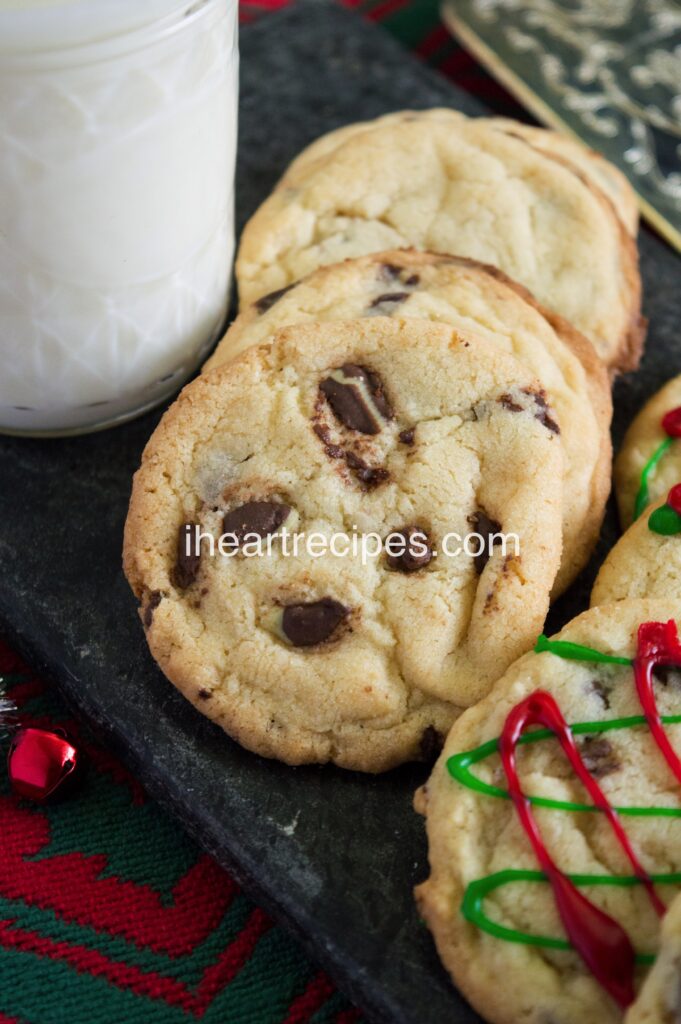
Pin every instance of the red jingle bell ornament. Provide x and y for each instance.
(39, 762)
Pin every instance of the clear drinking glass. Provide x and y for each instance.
(118, 123)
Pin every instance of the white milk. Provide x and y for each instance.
(117, 148)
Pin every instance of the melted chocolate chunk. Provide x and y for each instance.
(417, 551)
(543, 413)
(667, 674)
(266, 302)
(407, 436)
(390, 272)
(598, 756)
(377, 390)
(153, 601)
(188, 557)
(430, 744)
(389, 297)
(509, 403)
(357, 398)
(305, 625)
(485, 527)
(255, 517)
(370, 476)
(602, 692)
(334, 451)
(205, 695)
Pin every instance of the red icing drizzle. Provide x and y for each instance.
(658, 644)
(600, 941)
(674, 498)
(671, 423)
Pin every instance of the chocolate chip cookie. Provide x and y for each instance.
(456, 186)
(599, 171)
(553, 818)
(403, 433)
(470, 296)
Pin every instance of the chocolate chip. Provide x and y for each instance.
(485, 527)
(266, 302)
(378, 395)
(188, 557)
(153, 601)
(598, 756)
(305, 625)
(357, 398)
(509, 403)
(602, 692)
(334, 451)
(349, 407)
(370, 476)
(390, 272)
(431, 743)
(541, 410)
(416, 552)
(407, 436)
(667, 674)
(543, 413)
(389, 297)
(205, 695)
(255, 517)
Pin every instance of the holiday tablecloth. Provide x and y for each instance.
(109, 913)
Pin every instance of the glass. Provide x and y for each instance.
(118, 123)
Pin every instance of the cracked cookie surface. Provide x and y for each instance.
(325, 658)
(470, 297)
(476, 835)
(596, 168)
(456, 186)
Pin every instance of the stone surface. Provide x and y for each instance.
(331, 854)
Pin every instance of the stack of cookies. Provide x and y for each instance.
(433, 308)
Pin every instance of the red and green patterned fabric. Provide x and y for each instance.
(109, 913)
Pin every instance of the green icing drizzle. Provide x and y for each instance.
(472, 906)
(459, 767)
(577, 652)
(643, 496)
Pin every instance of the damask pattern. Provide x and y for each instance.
(608, 70)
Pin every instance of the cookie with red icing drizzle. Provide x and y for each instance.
(554, 822)
(649, 461)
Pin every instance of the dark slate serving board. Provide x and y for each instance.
(332, 854)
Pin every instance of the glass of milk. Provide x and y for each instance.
(118, 123)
